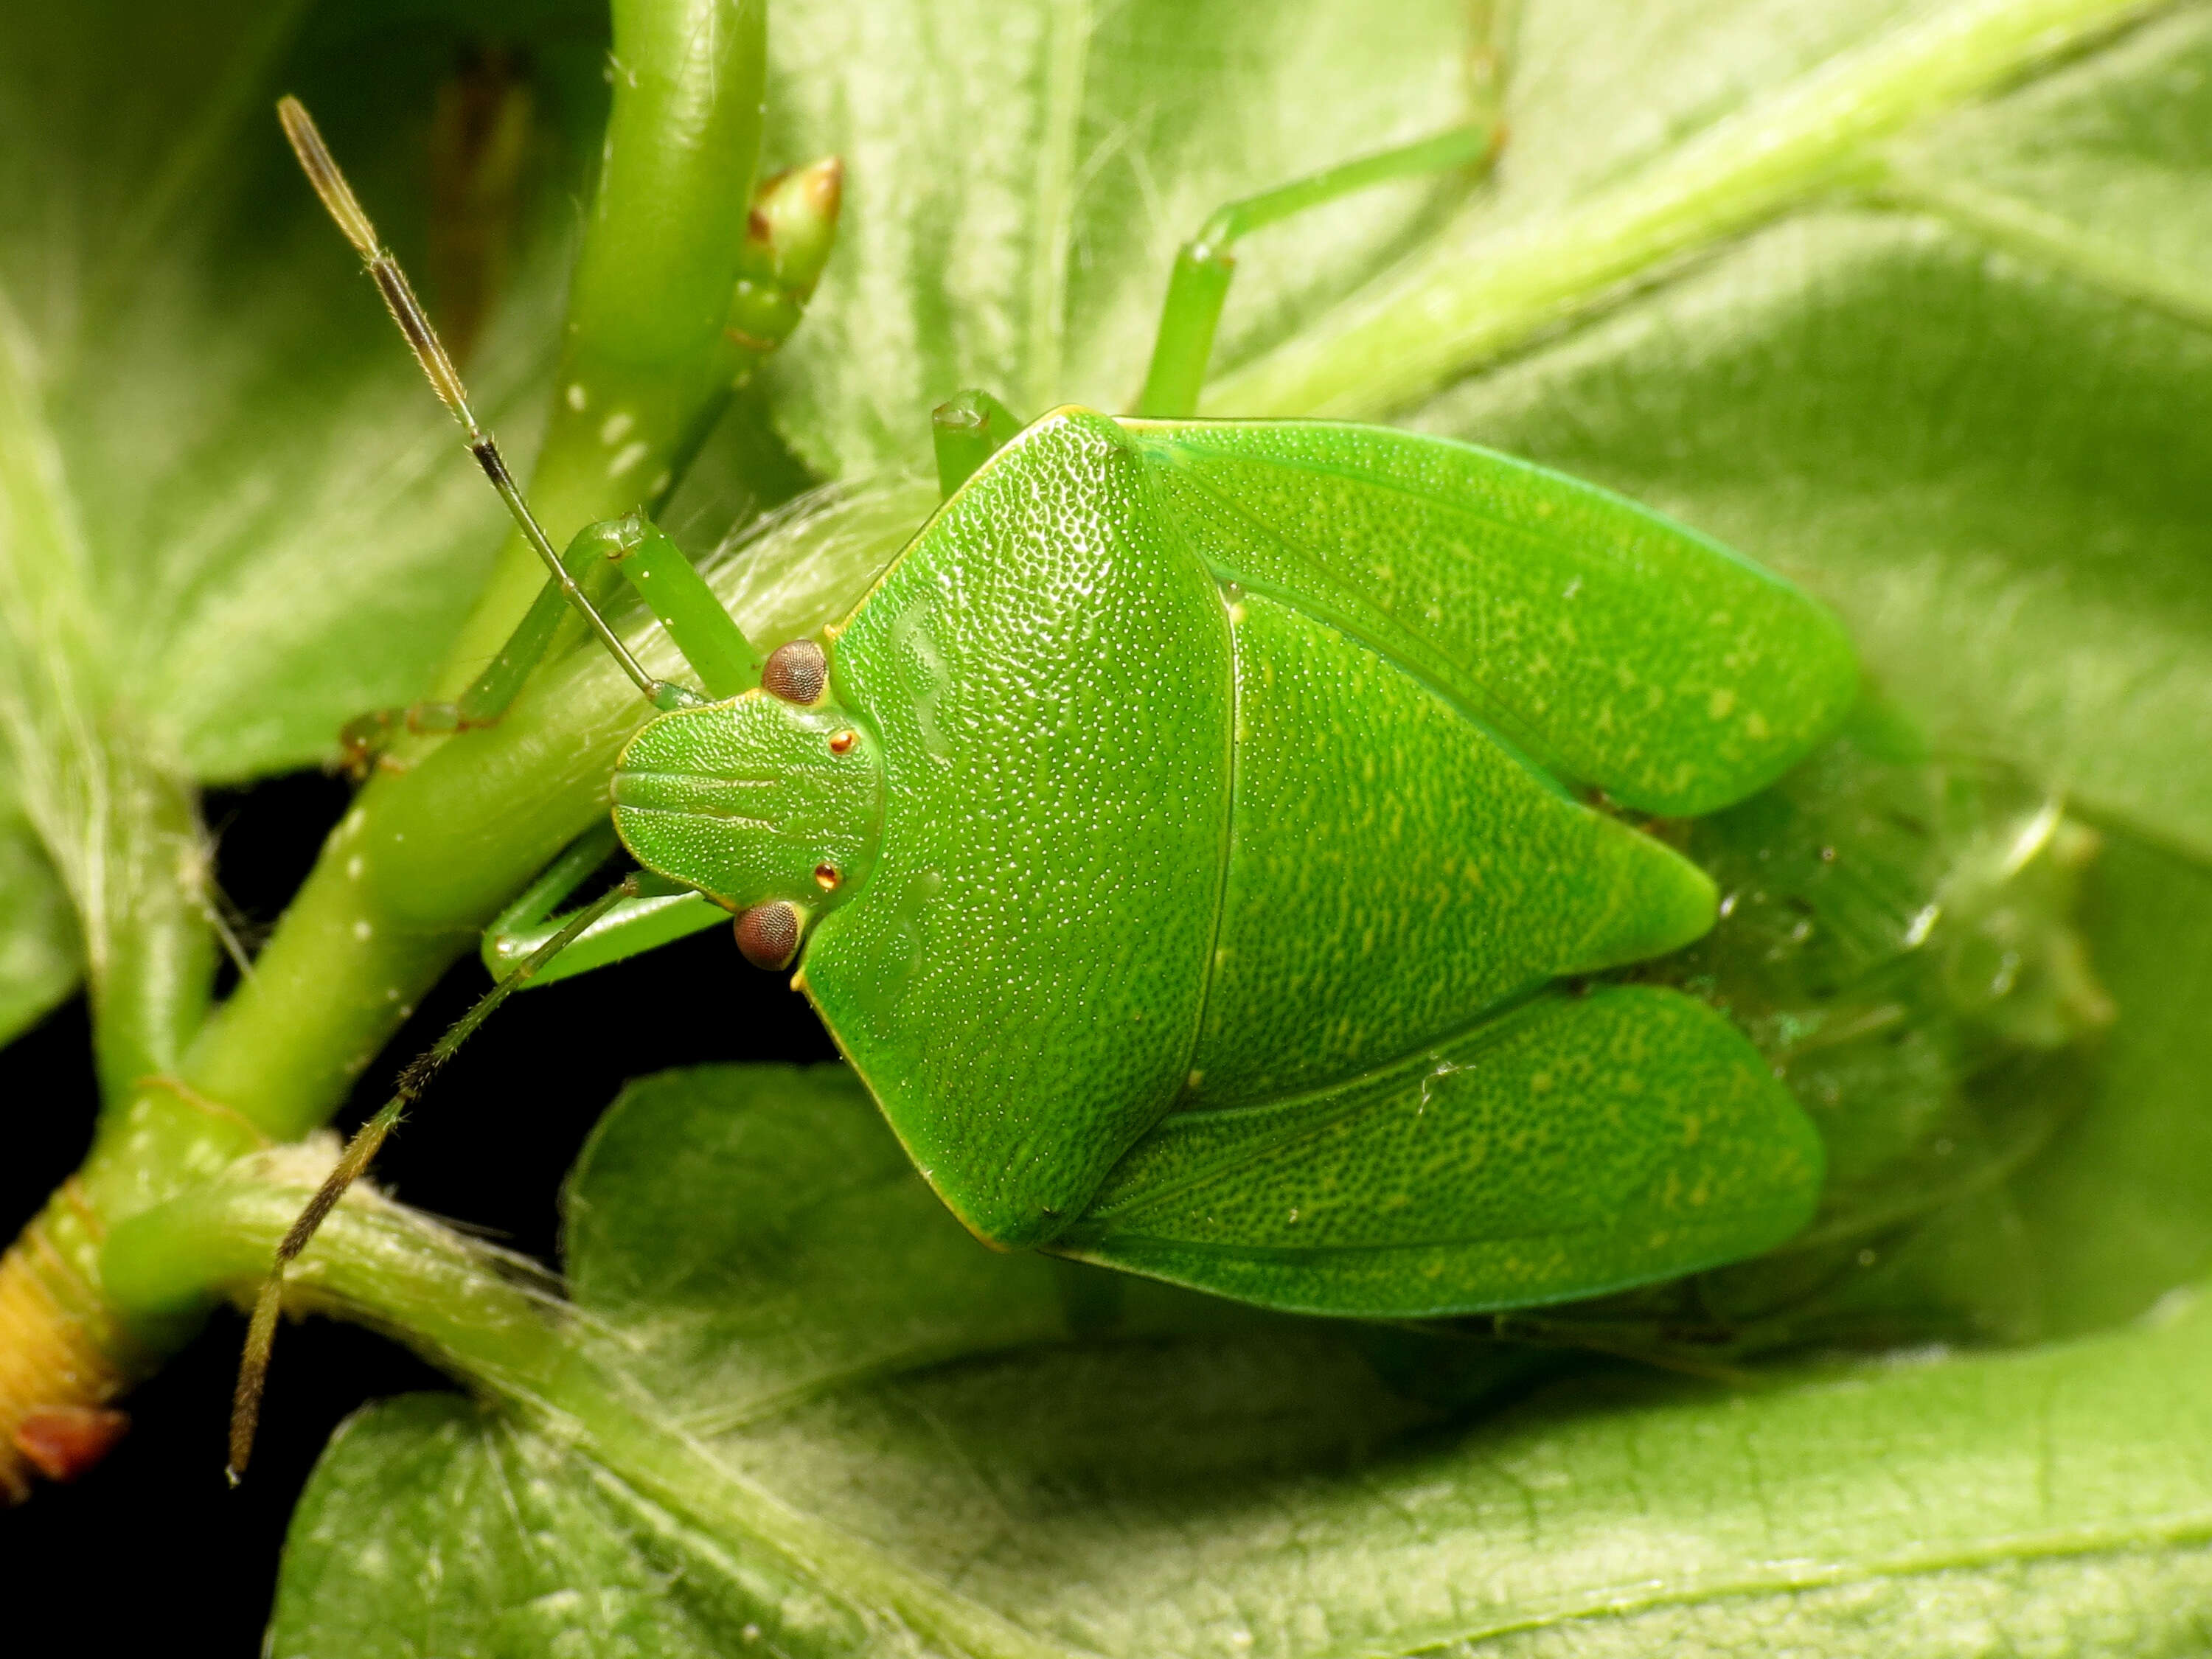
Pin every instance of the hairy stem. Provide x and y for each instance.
(491, 1322)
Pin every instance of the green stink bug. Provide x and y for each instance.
(1174, 790)
(1197, 838)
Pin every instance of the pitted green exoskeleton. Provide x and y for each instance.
(1200, 838)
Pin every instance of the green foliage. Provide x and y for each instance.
(1983, 446)
(1020, 178)
(38, 939)
(790, 1297)
(224, 524)
(277, 538)
(1948, 373)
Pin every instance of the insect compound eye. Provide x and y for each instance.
(768, 934)
(796, 672)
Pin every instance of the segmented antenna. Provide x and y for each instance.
(360, 1151)
(322, 171)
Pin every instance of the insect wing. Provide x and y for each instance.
(1612, 645)
(1394, 872)
(1139, 690)
(1572, 1147)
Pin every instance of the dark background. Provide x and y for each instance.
(488, 1145)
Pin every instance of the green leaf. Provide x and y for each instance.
(279, 528)
(763, 1285)
(1962, 414)
(1255, 1487)
(2118, 1207)
(1956, 404)
(230, 520)
(556, 1560)
(1944, 373)
(1020, 178)
(39, 961)
(1940, 380)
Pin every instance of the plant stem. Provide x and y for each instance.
(281, 1055)
(425, 857)
(1478, 294)
(663, 252)
(481, 1317)
(428, 855)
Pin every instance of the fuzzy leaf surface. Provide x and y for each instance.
(1144, 1480)
(1955, 386)
(277, 531)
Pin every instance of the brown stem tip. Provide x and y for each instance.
(64, 1442)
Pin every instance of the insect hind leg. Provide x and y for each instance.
(967, 430)
(1199, 285)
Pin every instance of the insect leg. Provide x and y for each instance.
(967, 431)
(488, 697)
(788, 238)
(1203, 268)
(630, 927)
(726, 662)
(261, 1334)
(681, 601)
(438, 368)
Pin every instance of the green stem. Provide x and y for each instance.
(478, 1316)
(1477, 295)
(425, 857)
(663, 252)
(430, 856)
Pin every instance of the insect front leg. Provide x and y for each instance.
(966, 431)
(363, 740)
(711, 643)
(1200, 284)
(657, 915)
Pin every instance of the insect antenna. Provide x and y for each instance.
(360, 1151)
(322, 171)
